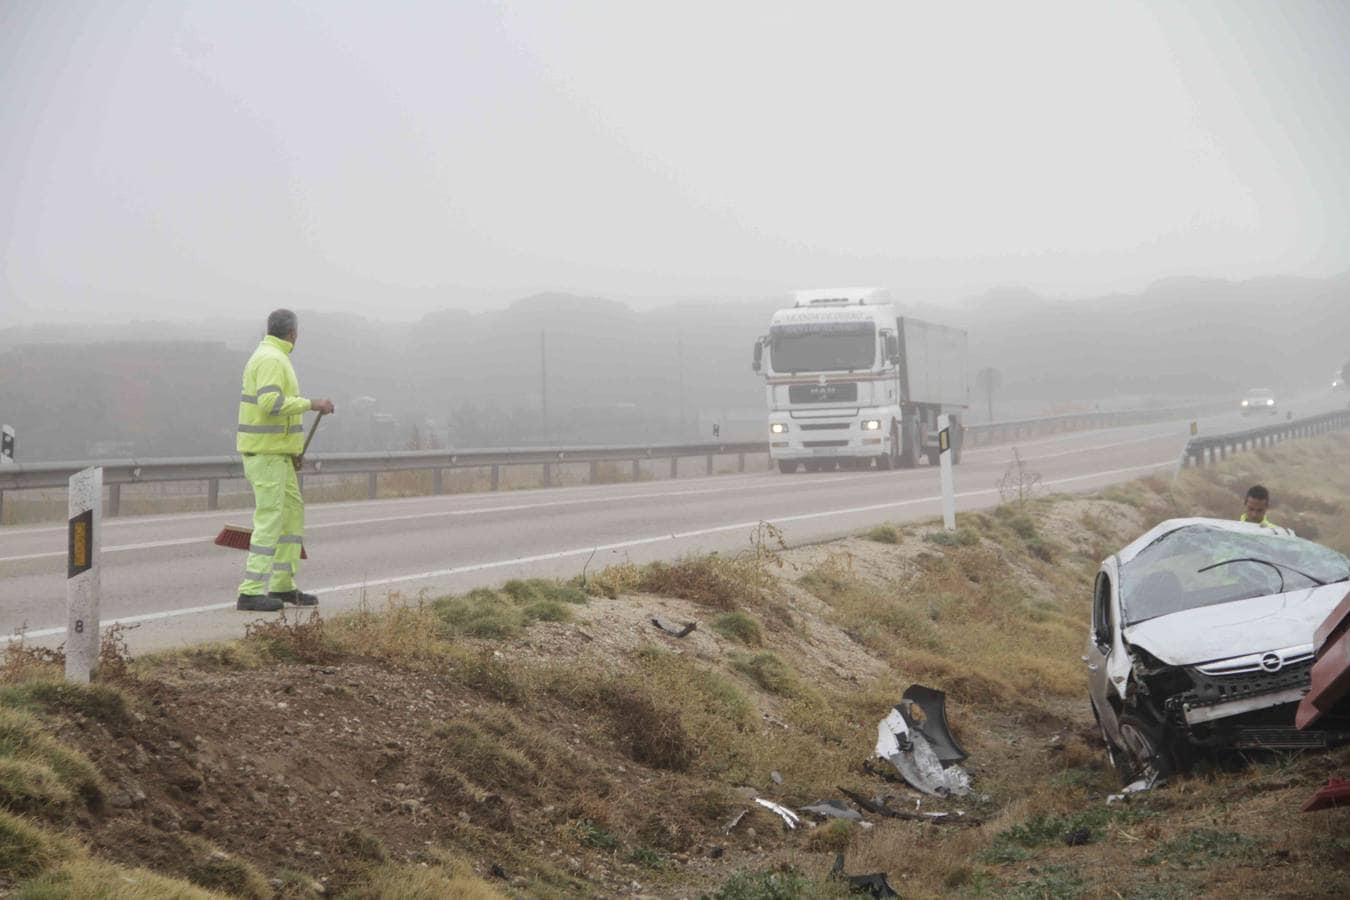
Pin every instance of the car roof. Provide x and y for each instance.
(1135, 547)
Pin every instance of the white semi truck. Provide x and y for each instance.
(849, 382)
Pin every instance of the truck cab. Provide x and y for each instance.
(849, 384)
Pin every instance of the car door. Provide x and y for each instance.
(1100, 648)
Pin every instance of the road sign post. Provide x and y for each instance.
(6, 445)
(85, 506)
(945, 462)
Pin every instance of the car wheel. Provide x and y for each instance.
(787, 466)
(1145, 747)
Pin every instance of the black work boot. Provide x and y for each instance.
(258, 603)
(294, 598)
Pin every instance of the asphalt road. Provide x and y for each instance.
(164, 575)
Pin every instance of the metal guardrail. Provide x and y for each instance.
(1216, 447)
(214, 469)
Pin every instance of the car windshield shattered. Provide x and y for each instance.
(1199, 565)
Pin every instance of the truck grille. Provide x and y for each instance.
(824, 443)
(835, 392)
(824, 426)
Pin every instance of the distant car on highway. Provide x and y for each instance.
(1259, 400)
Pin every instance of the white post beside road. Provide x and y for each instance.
(6, 445)
(86, 510)
(945, 461)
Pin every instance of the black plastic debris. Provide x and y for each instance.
(874, 885)
(669, 627)
(914, 738)
(932, 721)
(1078, 837)
(832, 809)
(497, 871)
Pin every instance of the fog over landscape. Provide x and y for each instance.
(1124, 204)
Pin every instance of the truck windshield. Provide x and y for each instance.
(822, 346)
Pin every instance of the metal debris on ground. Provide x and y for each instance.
(832, 809)
(915, 739)
(1146, 782)
(776, 776)
(881, 806)
(736, 820)
(790, 818)
(874, 885)
(673, 628)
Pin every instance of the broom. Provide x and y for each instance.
(237, 537)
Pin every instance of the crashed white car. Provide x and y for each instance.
(1202, 638)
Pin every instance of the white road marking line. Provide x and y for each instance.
(573, 501)
(593, 548)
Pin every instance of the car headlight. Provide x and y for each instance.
(1270, 403)
(777, 428)
(872, 425)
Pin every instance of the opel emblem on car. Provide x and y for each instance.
(1271, 662)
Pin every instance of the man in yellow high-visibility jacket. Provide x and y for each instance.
(270, 438)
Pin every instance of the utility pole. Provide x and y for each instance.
(543, 379)
(679, 357)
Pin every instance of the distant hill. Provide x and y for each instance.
(620, 375)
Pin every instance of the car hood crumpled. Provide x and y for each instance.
(1232, 629)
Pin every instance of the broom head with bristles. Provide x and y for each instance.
(237, 537)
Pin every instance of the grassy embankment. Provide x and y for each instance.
(545, 739)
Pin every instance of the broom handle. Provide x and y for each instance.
(309, 437)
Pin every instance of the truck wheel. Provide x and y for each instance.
(958, 439)
(909, 451)
(787, 466)
(891, 458)
(934, 457)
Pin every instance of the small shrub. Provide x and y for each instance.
(708, 580)
(22, 738)
(592, 835)
(301, 639)
(26, 850)
(485, 673)
(652, 734)
(961, 537)
(30, 786)
(884, 534)
(769, 672)
(785, 885)
(483, 758)
(834, 836)
(481, 613)
(737, 626)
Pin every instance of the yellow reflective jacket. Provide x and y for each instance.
(270, 407)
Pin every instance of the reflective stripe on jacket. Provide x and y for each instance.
(270, 406)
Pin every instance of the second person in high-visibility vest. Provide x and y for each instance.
(270, 438)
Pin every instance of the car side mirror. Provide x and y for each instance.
(758, 362)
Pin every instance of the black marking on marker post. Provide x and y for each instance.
(80, 544)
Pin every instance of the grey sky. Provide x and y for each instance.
(194, 158)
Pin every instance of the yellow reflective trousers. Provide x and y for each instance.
(278, 524)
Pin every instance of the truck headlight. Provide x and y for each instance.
(777, 428)
(1244, 402)
(1270, 403)
(871, 425)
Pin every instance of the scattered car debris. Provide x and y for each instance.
(790, 818)
(777, 776)
(874, 885)
(1336, 793)
(735, 820)
(915, 739)
(832, 809)
(1078, 837)
(672, 628)
(879, 806)
(1147, 782)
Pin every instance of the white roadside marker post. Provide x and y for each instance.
(945, 461)
(6, 445)
(85, 506)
